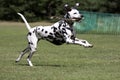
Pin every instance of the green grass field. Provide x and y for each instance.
(65, 62)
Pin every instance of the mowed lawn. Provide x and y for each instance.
(65, 62)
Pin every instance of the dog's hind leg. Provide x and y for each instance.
(33, 49)
(29, 58)
(23, 53)
(33, 40)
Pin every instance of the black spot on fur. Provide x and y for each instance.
(57, 34)
(50, 37)
(58, 42)
(54, 29)
(51, 33)
(73, 37)
(84, 41)
(64, 31)
(46, 32)
(30, 43)
(38, 28)
(42, 30)
(63, 28)
(59, 25)
(30, 33)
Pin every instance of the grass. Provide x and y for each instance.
(65, 62)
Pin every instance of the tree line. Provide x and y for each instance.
(36, 10)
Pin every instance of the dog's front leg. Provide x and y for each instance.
(80, 42)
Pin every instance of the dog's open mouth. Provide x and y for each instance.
(77, 19)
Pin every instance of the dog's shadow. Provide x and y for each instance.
(51, 65)
(22, 64)
(43, 65)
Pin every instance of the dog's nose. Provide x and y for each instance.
(82, 16)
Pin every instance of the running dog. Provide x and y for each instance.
(59, 33)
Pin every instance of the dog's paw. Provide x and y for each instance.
(89, 46)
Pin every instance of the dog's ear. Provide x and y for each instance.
(67, 7)
(77, 5)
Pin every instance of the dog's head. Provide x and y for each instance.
(72, 13)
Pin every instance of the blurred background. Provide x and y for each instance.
(36, 10)
(101, 16)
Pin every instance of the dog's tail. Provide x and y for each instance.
(26, 23)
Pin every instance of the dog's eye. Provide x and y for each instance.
(75, 13)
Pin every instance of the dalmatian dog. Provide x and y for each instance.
(59, 33)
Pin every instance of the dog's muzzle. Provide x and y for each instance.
(78, 19)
